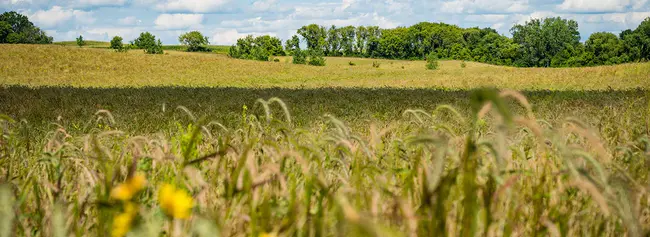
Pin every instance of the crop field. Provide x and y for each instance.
(100, 143)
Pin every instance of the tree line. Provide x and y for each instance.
(549, 42)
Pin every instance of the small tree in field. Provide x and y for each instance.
(299, 56)
(195, 41)
(316, 58)
(80, 41)
(148, 42)
(432, 61)
(116, 43)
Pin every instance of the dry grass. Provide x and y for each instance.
(34, 65)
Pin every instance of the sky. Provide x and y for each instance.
(224, 21)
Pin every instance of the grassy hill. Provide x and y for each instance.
(38, 65)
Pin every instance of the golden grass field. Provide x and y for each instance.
(99, 143)
(34, 65)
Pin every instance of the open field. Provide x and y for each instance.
(220, 49)
(32, 65)
(346, 151)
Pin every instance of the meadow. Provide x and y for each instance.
(96, 142)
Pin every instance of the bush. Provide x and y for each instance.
(277, 60)
(463, 64)
(432, 62)
(351, 63)
(148, 42)
(316, 58)
(117, 45)
(376, 64)
(299, 57)
(80, 41)
(195, 41)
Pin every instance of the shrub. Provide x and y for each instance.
(195, 41)
(259, 54)
(148, 42)
(277, 60)
(316, 58)
(463, 64)
(299, 57)
(117, 45)
(351, 63)
(80, 41)
(376, 64)
(432, 62)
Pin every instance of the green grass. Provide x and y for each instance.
(329, 151)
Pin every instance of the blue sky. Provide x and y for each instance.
(224, 21)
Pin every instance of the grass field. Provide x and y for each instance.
(101, 143)
(220, 49)
(70, 66)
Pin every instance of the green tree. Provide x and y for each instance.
(80, 41)
(316, 58)
(348, 35)
(117, 45)
(432, 61)
(333, 40)
(148, 43)
(292, 44)
(5, 30)
(362, 40)
(540, 40)
(314, 35)
(605, 47)
(299, 57)
(22, 30)
(195, 41)
(643, 36)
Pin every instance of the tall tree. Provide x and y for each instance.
(541, 40)
(314, 35)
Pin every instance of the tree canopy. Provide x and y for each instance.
(17, 29)
(195, 41)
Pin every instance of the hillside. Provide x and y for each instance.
(52, 65)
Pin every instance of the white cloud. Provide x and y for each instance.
(230, 36)
(200, 6)
(484, 6)
(263, 5)
(178, 21)
(129, 20)
(593, 5)
(101, 2)
(629, 19)
(486, 18)
(57, 15)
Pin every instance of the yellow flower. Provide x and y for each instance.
(125, 191)
(121, 224)
(123, 221)
(175, 202)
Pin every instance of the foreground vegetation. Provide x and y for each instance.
(34, 65)
(495, 166)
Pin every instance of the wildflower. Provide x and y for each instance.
(125, 191)
(121, 224)
(123, 221)
(176, 203)
(268, 235)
